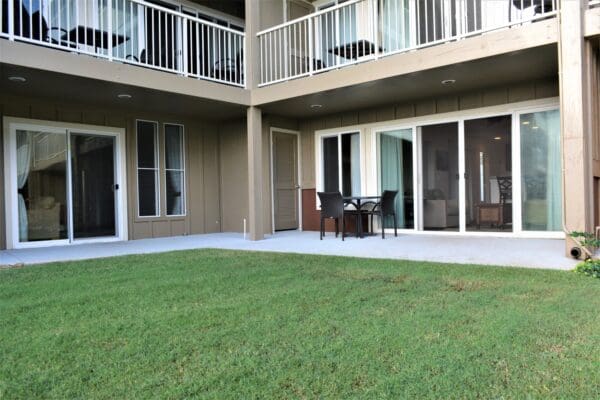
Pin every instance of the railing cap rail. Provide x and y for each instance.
(309, 16)
(188, 17)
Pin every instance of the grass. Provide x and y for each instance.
(241, 325)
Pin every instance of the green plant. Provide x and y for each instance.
(586, 239)
(589, 267)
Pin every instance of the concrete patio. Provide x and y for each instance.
(510, 252)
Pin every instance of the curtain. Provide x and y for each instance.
(24, 147)
(395, 23)
(174, 166)
(392, 173)
(355, 163)
(551, 126)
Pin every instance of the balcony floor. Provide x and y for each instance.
(510, 252)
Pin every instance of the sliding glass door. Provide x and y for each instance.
(41, 186)
(93, 185)
(439, 169)
(493, 174)
(64, 185)
(396, 173)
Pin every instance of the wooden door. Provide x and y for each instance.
(285, 180)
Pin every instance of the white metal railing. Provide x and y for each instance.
(360, 30)
(594, 3)
(130, 31)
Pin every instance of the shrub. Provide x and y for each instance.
(589, 267)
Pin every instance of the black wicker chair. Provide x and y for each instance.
(385, 208)
(333, 207)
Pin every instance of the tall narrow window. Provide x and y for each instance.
(341, 164)
(174, 170)
(147, 168)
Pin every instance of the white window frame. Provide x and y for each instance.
(320, 161)
(11, 125)
(370, 161)
(156, 169)
(182, 170)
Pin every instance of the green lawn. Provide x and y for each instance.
(240, 325)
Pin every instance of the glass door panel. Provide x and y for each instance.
(541, 193)
(488, 183)
(396, 173)
(41, 185)
(440, 177)
(93, 185)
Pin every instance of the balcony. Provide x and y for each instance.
(362, 30)
(135, 32)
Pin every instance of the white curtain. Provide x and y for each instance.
(355, 163)
(24, 147)
(551, 126)
(392, 172)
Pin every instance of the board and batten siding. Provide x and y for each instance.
(201, 159)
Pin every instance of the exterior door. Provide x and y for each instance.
(285, 181)
(93, 185)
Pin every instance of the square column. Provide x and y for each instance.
(255, 177)
(575, 126)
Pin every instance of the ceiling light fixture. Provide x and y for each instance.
(124, 96)
(497, 138)
(316, 106)
(525, 122)
(535, 127)
(448, 82)
(18, 79)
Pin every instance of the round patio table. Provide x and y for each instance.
(358, 203)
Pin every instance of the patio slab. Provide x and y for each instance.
(509, 252)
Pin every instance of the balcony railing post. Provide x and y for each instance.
(311, 49)
(11, 20)
(375, 27)
(184, 47)
(110, 30)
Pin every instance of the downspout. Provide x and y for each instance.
(566, 230)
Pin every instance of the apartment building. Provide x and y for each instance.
(129, 119)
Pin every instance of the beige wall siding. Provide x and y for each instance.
(233, 165)
(470, 100)
(201, 153)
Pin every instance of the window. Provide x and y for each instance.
(147, 169)
(341, 163)
(174, 169)
(541, 193)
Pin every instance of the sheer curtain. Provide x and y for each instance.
(24, 147)
(551, 127)
(355, 163)
(392, 173)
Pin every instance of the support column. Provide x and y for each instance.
(575, 126)
(255, 177)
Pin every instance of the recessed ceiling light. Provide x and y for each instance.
(18, 79)
(448, 81)
(124, 96)
(497, 138)
(316, 106)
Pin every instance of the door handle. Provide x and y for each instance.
(115, 187)
(297, 187)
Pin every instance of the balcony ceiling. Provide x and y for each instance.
(489, 73)
(56, 87)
